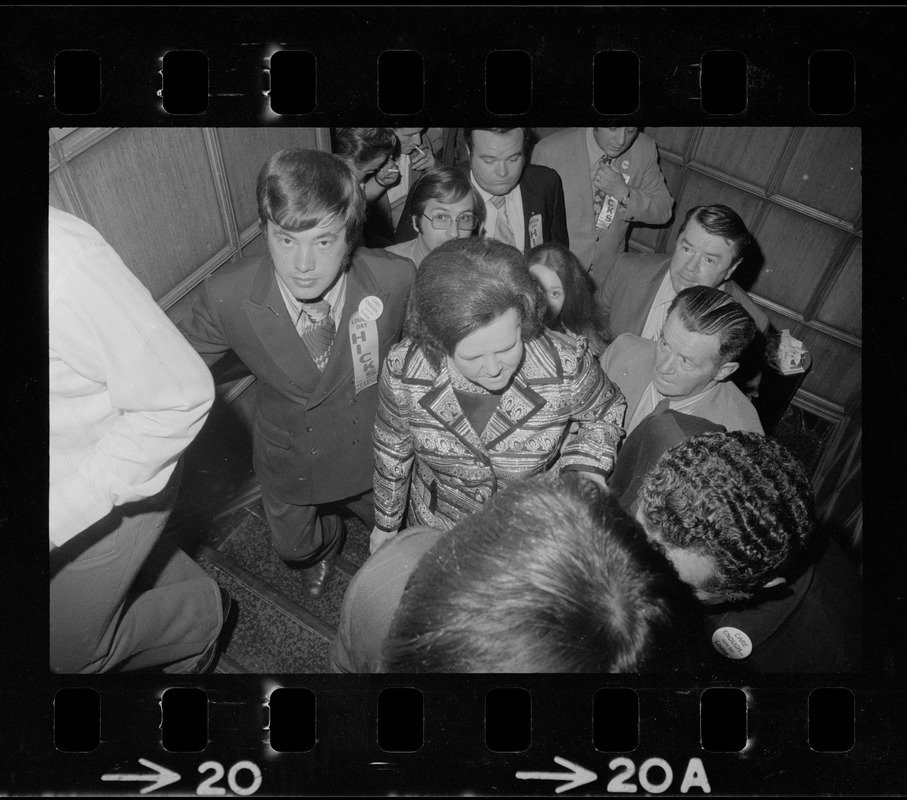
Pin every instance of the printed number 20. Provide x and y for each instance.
(207, 787)
(695, 776)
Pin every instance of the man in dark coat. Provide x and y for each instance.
(313, 320)
(524, 203)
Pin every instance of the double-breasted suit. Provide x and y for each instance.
(650, 201)
(312, 430)
(427, 451)
(542, 196)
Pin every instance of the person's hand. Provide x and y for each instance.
(378, 538)
(389, 174)
(423, 161)
(610, 181)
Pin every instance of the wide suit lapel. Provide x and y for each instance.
(580, 174)
(271, 322)
(643, 294)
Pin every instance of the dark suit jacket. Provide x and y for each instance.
(311, 437)
(542, 193)
(627, 293)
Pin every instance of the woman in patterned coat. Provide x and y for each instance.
(479, 393)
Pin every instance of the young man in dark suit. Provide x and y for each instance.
(524, 203)
(313, 320)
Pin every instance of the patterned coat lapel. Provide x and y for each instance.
(441, 404)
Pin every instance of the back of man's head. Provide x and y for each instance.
(739, 500)
(298, 189)
(708, 311)
(549, 576)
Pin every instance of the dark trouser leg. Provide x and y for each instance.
(302, 535)
(363, 506)
(106, 612)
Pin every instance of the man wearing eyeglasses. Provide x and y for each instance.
(445, 206)
(524, 203)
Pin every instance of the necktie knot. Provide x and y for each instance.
(317, 311)
(498, 201)
(319, 336)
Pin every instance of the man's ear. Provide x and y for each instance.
(416, 224)
(730, 270)
(726, 370)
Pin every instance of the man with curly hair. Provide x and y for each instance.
(734, 513)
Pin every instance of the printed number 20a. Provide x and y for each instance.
(695, 776)
(207, 787)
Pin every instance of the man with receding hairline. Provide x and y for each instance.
(524, 203)
(688, 367)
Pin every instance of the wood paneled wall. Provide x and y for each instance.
(799, 190)
(175, 203)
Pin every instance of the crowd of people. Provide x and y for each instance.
(550, 439)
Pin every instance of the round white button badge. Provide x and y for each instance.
(625, 165)
(371, 308)
(732, 643)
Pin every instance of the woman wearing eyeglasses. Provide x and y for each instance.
(445, 206)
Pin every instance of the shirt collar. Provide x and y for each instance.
(595, 152)
(486, 196)
(335, 296)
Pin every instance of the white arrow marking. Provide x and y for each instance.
(576, 777)
(163, 778)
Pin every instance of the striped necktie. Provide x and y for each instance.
(598, 195)
(318, 336)
(502, 230)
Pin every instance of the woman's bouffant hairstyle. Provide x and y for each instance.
(464, 285)
(739, 498)
(550, 575)
(580, 313)
(299, 189)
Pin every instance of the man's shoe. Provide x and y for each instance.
(315, 579)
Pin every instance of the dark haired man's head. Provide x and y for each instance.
(734, 512)
(311, 210)
(549, 576)
(706, 330)
(365, 149)
(710, 246)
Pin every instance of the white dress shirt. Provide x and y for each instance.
(513, 205)
(127, 391)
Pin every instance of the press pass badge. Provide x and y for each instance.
(609, 207)
(364, 343)
(535, 230)
(732, 643)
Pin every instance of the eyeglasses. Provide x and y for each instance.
(442, 221)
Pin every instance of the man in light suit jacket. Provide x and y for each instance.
(620, 165)
(524, 203)
(687, 368)
(313, 320)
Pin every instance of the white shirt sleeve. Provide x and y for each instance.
(127, 392)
